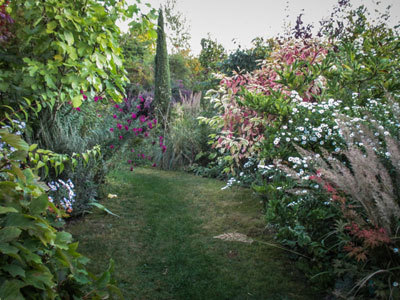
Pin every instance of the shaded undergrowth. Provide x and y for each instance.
(163, 243)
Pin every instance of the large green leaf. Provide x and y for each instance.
(13, 140)
(7, 209)
(10, 290)
(14, 270)
(39, 204)
(9, 233)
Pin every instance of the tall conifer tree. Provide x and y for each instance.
(162, 93)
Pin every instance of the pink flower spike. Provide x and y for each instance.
(112, 147)
(114, 116)
(121, 137)
(112, 129)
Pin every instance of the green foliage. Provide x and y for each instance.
(162, 90)
(60, 48)
(38, 259)
(212, 54)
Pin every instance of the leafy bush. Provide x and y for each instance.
(38, 259)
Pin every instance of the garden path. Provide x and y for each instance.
(163, 242)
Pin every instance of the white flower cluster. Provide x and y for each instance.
(65, 191)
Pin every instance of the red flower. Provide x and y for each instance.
(121, 137)
(114, 116)
(112, 147)
(112, 129)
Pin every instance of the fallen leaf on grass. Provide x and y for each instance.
(234, 237)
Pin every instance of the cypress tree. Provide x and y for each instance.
(162, 93)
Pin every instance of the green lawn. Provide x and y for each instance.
(163, 244)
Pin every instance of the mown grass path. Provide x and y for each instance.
(163, 243)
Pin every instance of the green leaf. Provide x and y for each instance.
(32, 147)
(14, 270)
(63, 239)
(85, 157)
(69, 37)
(9, 233)
(7, 209)
(39, 204)
(13, 140)
(77, 101)
(103, 208)
(41, 279)
(51, 26)
(10, 290)
(7, 249)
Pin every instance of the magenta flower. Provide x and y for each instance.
(155, 121)
(134, 116)
(84, 97)
(141, 99)
(146, 134)
(161, 138)
(112, 129)
(121, 137)
(140, 129)
(129, 161)
(150, 125)
(78, 109)
(142, 119)
(114, 116)
(154, 165)
(126, 128)
(96, 99)
(82, 92)
(164, 148)
(116, 106)
(132, 150)
(138, 107)
(142, 155)
(121, 110)
(112, 147)
(131, 169)
(119, 126)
